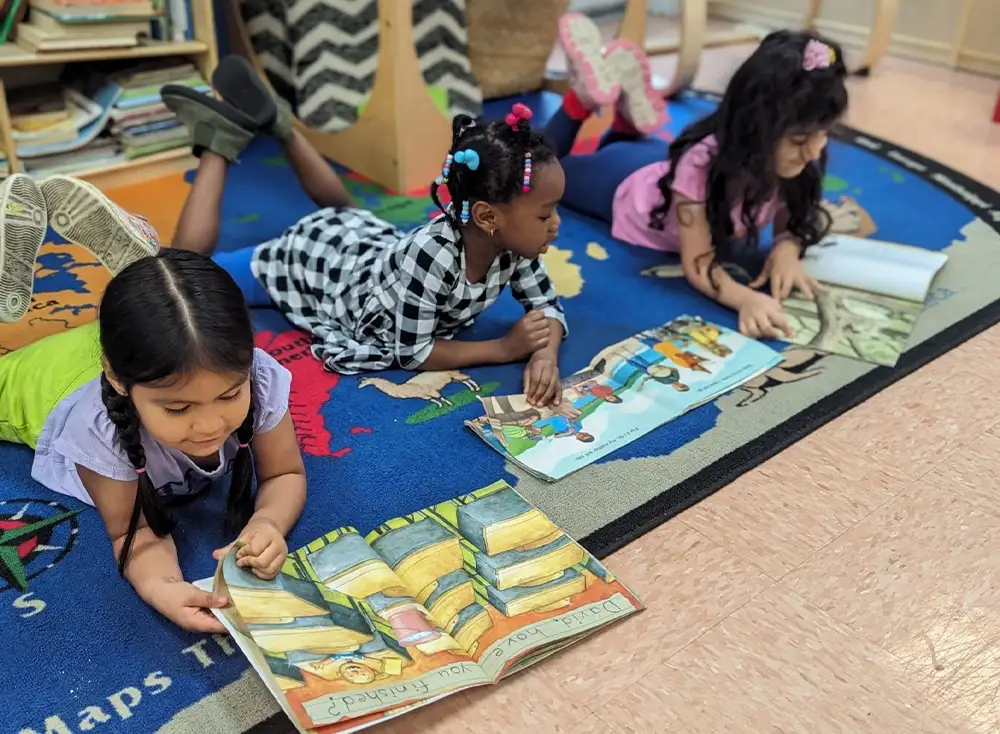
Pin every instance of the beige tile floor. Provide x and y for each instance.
(852, 583)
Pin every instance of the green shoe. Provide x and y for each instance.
(81, 213)
(214, 126)
(23, 223)
(238, 83)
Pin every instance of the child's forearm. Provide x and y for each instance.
(280, 501)
(556, 334)
(152, 561)
(450, 354)
(725, 290)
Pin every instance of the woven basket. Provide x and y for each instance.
(510, 42)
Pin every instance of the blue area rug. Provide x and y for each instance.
(83, 653)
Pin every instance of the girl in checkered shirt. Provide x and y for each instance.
(372, 296)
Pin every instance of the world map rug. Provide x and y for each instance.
(82, 653)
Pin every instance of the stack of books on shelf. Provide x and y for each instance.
(93, 122)
(139, 119)
(77, 25)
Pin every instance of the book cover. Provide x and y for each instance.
(871, 295)
(629, 389)
(358, 629)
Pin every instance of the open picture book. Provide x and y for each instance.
(628, 389)
(873, 293)
(357, 629)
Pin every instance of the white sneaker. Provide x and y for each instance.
(23, 223)
(81, 213)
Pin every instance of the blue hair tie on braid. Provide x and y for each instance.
(469, 157)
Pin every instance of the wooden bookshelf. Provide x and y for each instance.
(16, 60)
(13, 55)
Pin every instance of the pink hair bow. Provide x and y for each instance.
(817, 55)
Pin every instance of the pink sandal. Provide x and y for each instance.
(591, 77)
(639, 104)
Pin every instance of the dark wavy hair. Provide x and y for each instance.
(769, 96)
(162, 318)
(500, 174)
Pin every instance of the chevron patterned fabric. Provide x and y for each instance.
(321, 55)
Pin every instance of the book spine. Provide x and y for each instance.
(10, 20)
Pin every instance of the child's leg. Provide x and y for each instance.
(219, 133)
(198, 225)
(22, 231)
(237, 82)
(35, 378)
(238, 264)
(620, 74)
(591, 84)
(592, 180)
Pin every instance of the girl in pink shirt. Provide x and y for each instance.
(758, 159)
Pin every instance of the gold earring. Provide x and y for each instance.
(492, 231)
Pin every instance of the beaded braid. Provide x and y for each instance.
(489, 161)
(122, 412)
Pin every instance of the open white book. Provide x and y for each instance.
(872, 294)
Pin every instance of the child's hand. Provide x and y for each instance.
(541, 381)
(185, 605)
(786, 272)
(528, 335)
(263, 549)
(761, 317)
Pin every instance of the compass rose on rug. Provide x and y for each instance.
(34, 536)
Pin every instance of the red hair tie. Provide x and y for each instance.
(517, 113)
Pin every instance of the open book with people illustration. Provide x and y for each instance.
(357, 629)
(872, 294)
(628, 389)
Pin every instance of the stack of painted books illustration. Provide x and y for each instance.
(356, 630)
(629, 389)
(873, 292)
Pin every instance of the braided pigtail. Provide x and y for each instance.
(239, 506)
(121, 411)
(453, 178)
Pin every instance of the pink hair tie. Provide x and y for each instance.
(244, 445)
(817, 55)
(141, 470)
(518, 113)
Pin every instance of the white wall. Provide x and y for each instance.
(659, 7)
(962, 33)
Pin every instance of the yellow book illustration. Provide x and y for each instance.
(358, 629)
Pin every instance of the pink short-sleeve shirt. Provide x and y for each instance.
(639, 194)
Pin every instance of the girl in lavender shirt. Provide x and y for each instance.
(757, 160)
(180, 399)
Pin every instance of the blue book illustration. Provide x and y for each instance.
(629, 389)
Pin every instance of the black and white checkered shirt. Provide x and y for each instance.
(374, 297)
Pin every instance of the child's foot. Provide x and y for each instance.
(238, 83)
(590, 76)
(638, 104)
(22, 231)
(81, 213)
(215, 126)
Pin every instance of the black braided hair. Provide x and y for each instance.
(121, 411)
(239, 507)
(500, 174)
(162, 318)
(769, 96)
